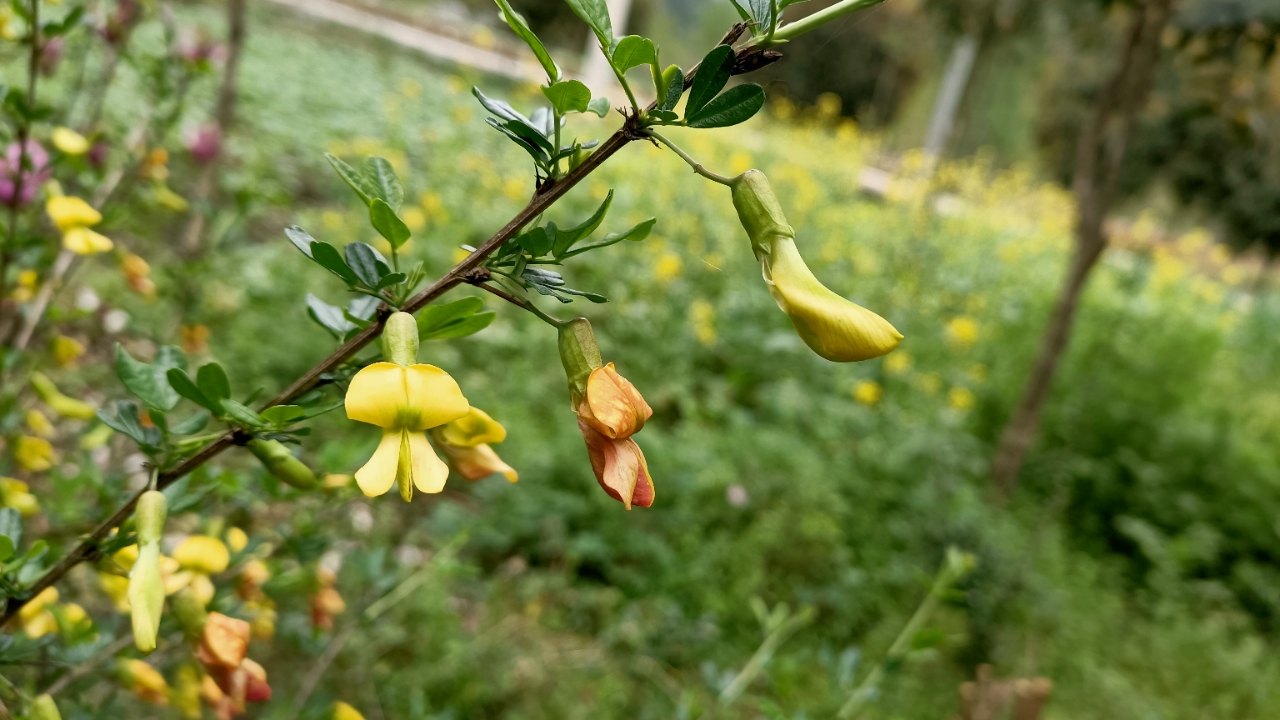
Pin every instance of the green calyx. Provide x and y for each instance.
(189, 612)
(282, 464)
(579, 354)
(400, 339)
(759, 211)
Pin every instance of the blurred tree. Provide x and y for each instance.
(1099, 162)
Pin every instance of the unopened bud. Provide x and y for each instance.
(146, 597)
(189, 611)
(282, 464)
(400, 339)
(43, 708)
(150, 515)
(579, 354)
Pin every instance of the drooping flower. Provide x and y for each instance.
(466, 443)
(74, 217)
(610, 410)
(34, 454)
(405, 399)
(830, 325)
(17, 495)
(327, 602)
(202, 554)
(222, 649)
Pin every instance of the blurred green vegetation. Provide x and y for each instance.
(1136, 569)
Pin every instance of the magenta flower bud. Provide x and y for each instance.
(98, 153)
(36, 174)
(204, 143)
(51, 55)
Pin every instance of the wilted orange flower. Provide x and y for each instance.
(327, 603)
(138, 274)
(611, 411)
(195, 339)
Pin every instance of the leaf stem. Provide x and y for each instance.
(523, 304)
(697, 167)
(816, 20)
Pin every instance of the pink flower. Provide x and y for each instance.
(51, 55)
(204, 143)
(36, 173)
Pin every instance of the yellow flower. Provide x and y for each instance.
(237, 539)
(202, 554)
(66, 350)
(97, 437)
(117, 588)
(34, 454)
(16, 494)
(867, 392)
(405, 399)
(59, 403)
(35, 618)
(830, 325)
(69, 141)
(961, 398)
(39, 424)
(144, 681)
(74, 217)
(465, 442)
(26, 286)
(897, 363)
(186, 692)
(962, 331)
(931, 383)
(343, 711)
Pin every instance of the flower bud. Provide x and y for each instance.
(830, 325)
(43, 708)
(579, 354)
(400, 339)
(190, 613)
(149, 516)
(282, 464)
(146, 597)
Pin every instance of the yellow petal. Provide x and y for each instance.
(69, 141)
(435, 396)
(69, 211)
(833, 327)
(379, 474)
(375, 395)
(473, 429)
(429, 471)
(202, 554)
(613, 405)
(83, 241)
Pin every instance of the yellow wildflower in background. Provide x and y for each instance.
(962, 331)
(69, 141)
(414, 218)
(25, 288)
(867, 392)
(17, 495)
(66, 350)
(961, 398)
(34, 454)
(74, 217)
(702, 315)
(39, 424)
(202, 554)
(343, 711)
(668, 268)
(897, 363)
(930, 383)
(237, 539)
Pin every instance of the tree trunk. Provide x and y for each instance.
(224, 116)
(1099, 159)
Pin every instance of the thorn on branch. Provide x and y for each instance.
(754, 58)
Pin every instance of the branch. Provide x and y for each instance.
(546, 196)
(89, 665)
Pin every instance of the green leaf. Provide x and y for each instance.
(352, 178)
(567, 237)
(927, 638)
(300, 238)
(10, 532)
(126, 420)
(599, 106)
(191, 425)
(212, 381)
(736, 105)
(568, 96)
(538, 240)
(366, 262)
(635, 234)
(328, 316)
(633, 51)
(281, 415)
(391, 279)
(746, 16)
(149, 383)
(387, 223)
(595, 13)
(783, 4)
(675, 89)
(763, 12)
(328, 257)
(242, 414)
(461, 328)
(712, 75)
(433, 317)
(521, 28)
(182, 384)
(502, 110)
(381, 177)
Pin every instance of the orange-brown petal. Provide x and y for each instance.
(620, 467)
(613, 406)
